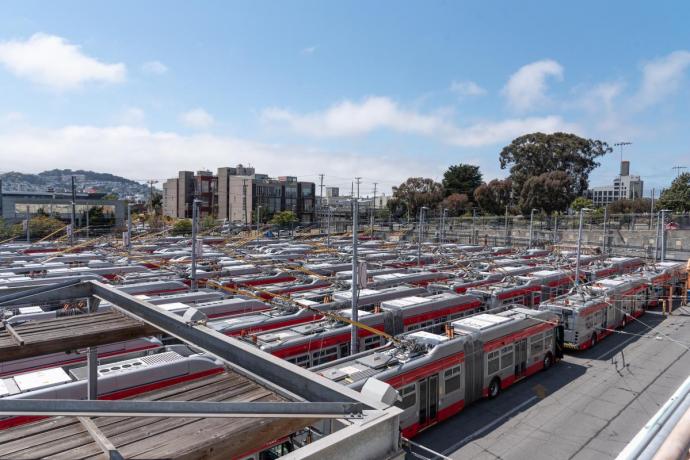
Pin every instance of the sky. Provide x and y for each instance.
(380, 90)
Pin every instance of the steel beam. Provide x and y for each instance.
(49, 292)
(302, 382)
(201, 409)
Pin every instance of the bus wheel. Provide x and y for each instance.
(594, 340)
(548, 360)
(494, 388)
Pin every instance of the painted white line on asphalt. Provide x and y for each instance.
(488, 426)
(620, 345)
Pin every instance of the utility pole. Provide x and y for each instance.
(151, 182)
(579, 245)
(195, 212)
(28, 231)
(419, 238)
(74, 211)
(354, 341)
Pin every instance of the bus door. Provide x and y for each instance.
(428, 400)
(520, 357)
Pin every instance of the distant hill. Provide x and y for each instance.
(60, 180)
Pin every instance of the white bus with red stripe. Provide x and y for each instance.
(438, 375)
(528, 289)
(292, 315)
(118, 377)
(325, 340)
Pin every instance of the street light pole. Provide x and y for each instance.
(579, 245)
(419, 238)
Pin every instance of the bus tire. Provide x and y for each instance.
(593, 342)
(548, 360)
(494, 387)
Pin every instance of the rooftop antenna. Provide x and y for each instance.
(679, 169)
(621, 145)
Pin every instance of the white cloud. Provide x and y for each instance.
(526, 88)
(661, 78)
(132, 116)
(352, 119)
(139, 152)
(52, 61)
(154, 68)
(197, 118)
(467, 88)
(308, 50)
(12, 117)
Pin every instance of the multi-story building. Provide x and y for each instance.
(238, 195)
(624, 187)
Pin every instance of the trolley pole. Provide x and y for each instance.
(195, 207)
(354, 341)
(28, 231)
(419, 235)
(579, 246)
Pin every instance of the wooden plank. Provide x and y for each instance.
(15, 335)
(101, 440)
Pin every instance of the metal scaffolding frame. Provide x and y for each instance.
(360, 418)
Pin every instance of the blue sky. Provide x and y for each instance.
(382, 90)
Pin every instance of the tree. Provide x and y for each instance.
(581, 202)
(462, 179)
(549, 192)
(493, 197)
(414, 193)
(39, 226)
(208, 222)
(182, 227)
(157, 202)
(456, 204)
(534, 154)
(284, 219)
(625, 206)
(677, 196)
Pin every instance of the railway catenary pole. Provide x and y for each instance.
(656, 238)
(419, 235)
(605, 237)
(129, 228)
(651, 209)
(195, 211)
(354, 341)
(442, 232)
(663, 233)
(28, 231)
(505, 227)
(73, 219)
(328, 226)
(87, 223)
(531, 222)
(579, 246)
(474, 218)
(320, 207)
